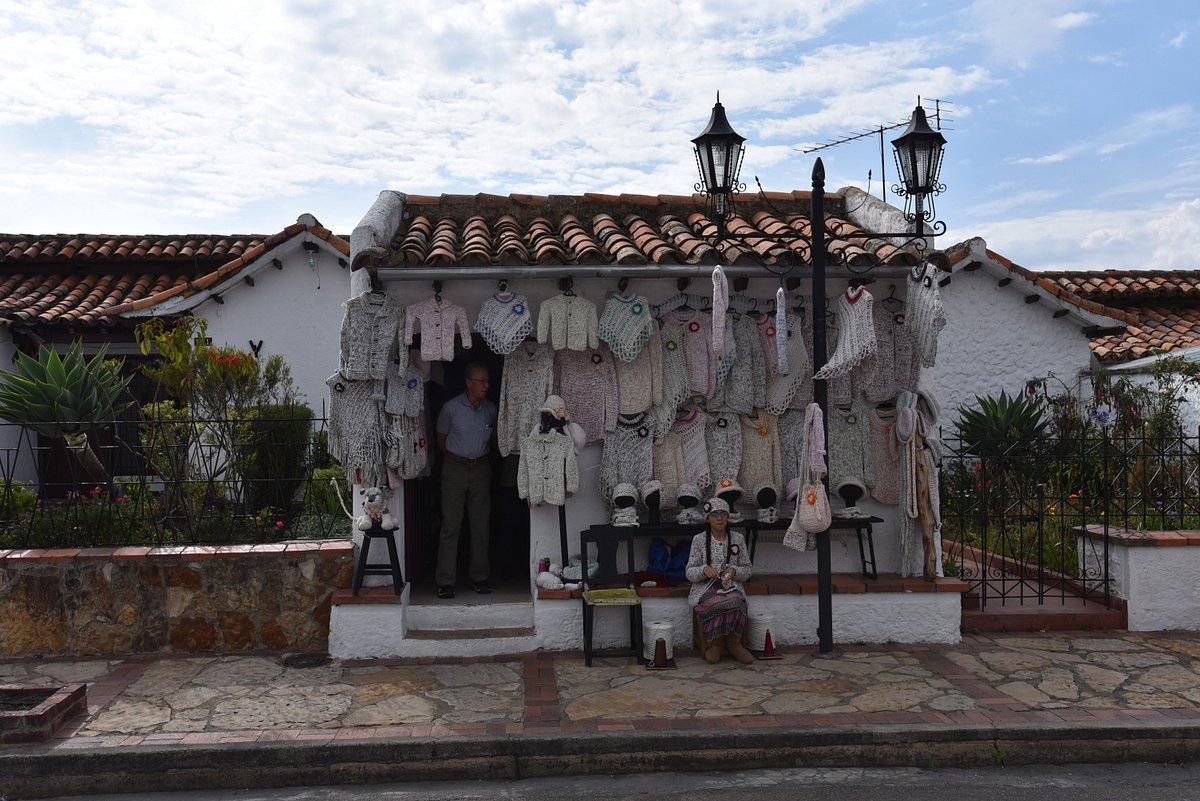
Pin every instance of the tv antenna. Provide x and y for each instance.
(937, 116)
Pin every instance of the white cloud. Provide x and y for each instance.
(1074, 19)
(1178, 40)
(1021, 31)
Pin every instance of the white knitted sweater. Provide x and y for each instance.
(628, 454)
(782, 390)
(855, 336)
(850, 444)
(668, 466)
(626, 325)
(527, 381)
(504, 321)
(547, 470)
(690, 428)
(370, 328)
(438, 320)
(745, 389)
(896, 367)
(640, 382)
(698, 355)
(762, 462)
(674, 380)
(587, 381)
(568, 321)
(925, 318)
(723, 440)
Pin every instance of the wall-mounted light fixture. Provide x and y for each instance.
(313, 252)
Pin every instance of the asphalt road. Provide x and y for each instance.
(1040, 783)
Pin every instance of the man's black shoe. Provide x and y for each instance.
(482, 587)
(446, 591)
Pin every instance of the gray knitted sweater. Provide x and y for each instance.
(528, 380)
(723, 438)
(627, 455)
(745, 388)
(849, 444)
(370, 328)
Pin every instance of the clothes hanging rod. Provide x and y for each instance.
(389, 274)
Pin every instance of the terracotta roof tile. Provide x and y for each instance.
(1160, 328)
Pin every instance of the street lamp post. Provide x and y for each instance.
(719, 152)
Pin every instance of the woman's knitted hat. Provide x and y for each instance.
(625, 490)
(716, 505)
(687, 491)
(556, 406)
(728, 485)
(651, 487)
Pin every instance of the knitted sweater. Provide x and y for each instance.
(504, 321)
(406, 393)
(438, 319)
(668, 466)
(856, 343)
(766, 337)
(626, 325)
(762, 462)
(547, 470)
(568, 321)
(896, 367)
(745, 389)
(925, 318)
(640, 382)
(674, 380)
(587, 381)
(690, 427)
(628, 454)
(370, 327)
(849, 444)
(698, 356)
(791, 443)
(723, 440)
(885, 450)
(698, 559)
(527, 381)
(782, 390)
(356, 425)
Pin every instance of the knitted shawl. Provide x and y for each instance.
(587, 381)
(547, 470)
(839, 389)
(628, 454)
(849, 444)
(356, 426)
(370, 327)
(761, 459)
(640, 382)
(626, 325)
(668, 467)
(896, 367)
(527, 380)
(886, 454)
(925, 318)
(690, 428)
(856, 333)
(698, 355)
(438, 319)
(568, 321)
(674, 380)
(783, 389)
(745, 389)
(723, 441)
(504, 321)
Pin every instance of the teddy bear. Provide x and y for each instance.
(375, 511)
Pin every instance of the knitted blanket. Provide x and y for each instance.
(626, 325)
(527, 381)
(504, 321)
(587, 381)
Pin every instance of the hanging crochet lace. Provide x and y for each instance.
(925, 318)
(504, 321)
(626, 325)
(856, 334)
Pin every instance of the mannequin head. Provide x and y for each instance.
(766, 496)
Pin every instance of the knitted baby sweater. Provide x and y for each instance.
(547, 470)
(850, 444)
(628, 454)
(674, 380)
(438, 319)
(356, 425)
(587, 381)
(527, 381)
(885, 451)
(762, 462)
(626, 325)
(723, 440)
(690, 428)
(568, 321)
(782, 390)
(640, 382)
(745, 389)
(896, 367)
(698, 355)
(504, 321)
(370, 327)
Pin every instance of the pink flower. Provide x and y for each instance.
(279, 524)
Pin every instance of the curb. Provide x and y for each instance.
(37, 772)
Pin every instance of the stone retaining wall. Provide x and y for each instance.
(101, 601)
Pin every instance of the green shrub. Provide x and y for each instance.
(275, 454)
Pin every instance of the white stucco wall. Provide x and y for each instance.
(1161, 586)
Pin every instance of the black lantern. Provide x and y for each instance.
(919, 156)
(719, 157)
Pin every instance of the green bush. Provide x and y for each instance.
(276, 454)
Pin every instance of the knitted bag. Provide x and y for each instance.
(812, 515)
(504, 321)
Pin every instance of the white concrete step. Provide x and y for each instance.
(463, 613)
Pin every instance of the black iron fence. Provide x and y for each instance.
(1010, 509)
(171, 479)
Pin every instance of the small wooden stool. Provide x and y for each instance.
(389, 568)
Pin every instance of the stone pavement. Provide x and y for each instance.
(1112, 690)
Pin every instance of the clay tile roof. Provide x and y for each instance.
(596, 229)
(85, 279)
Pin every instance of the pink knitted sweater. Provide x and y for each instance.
(698, 354)
(438, 319)
(587, 381)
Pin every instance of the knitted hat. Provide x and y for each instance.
(687, 491)
(716, 505)
(728, 485)
(856, 334)
(556, 406)
(625, 491)
(651, 487)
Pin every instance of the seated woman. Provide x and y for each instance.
(718, 564)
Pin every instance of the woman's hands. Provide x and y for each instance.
(710, 572)
(726, 575)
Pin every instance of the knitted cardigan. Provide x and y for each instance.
(791, 443)
(587, 381)
(438, 319)
(740, 562)
(504, 321)
(668, 466)
(849, 444)
(723, 440)
(527, 381)
(370, 327)
(628, 454)
(690, 427)
(896, 367)
(356, 425)
(547, 470)
(793, 390)
(568, 321)
(674, 380)
(761, 459)
(640, 382)
(885, 450)
(745, 389)
(626, 325)
(698, 355)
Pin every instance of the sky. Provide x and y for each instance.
(1071, 124)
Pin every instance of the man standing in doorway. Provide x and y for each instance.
(466, 429)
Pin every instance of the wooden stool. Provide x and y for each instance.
(389, 568)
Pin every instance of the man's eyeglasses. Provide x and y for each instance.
(481, 380)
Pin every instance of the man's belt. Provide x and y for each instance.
(454, 457)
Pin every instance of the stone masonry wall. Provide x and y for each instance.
(102, 601)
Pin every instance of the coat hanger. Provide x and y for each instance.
(437, 291)
(891, 299)
(566, 285)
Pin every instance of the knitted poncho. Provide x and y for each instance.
(849, 444)
(628, 454)
(761, 459)
(504, 321)
(674, 380)
(782, 390)
(886, 455)
(640, 382)
(370, 327)
(690, 428)
(723, 440)
(925, 318)
(587, 381)
(698, 355)
(856, 334)
(896, 367)
(528, 379)
(626, 325)
(568, 321)
(356, 426)
(839, 389)
(745, 389)
(438, 319)
(668, 466)
(547, 470)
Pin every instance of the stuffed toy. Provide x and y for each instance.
(551, 579)
(375, 511)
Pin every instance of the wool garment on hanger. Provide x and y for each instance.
(745, 389)
(896, 367)
(791, 443)
(527, 381)
(408, 451)
(850, 444)
(886, 455)
(587, 381)
(782, 390)
(626, 325)
(406, 392)
(720, 303)
(726, 359)
(568, 321)
(628, 454)
(674, 380)
(370, 329)
(690, 428)
(640, 382)
(548, 470)
(766, 336)
(356, 426)
(856, 343)
(698, 355)
(438, 320)
(668, 467)
(723, 441)
(762, 462)
(839, 390)
(925, 318)
(504, 321)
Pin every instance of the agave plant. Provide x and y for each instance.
(1002, 430)
(65, 396)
